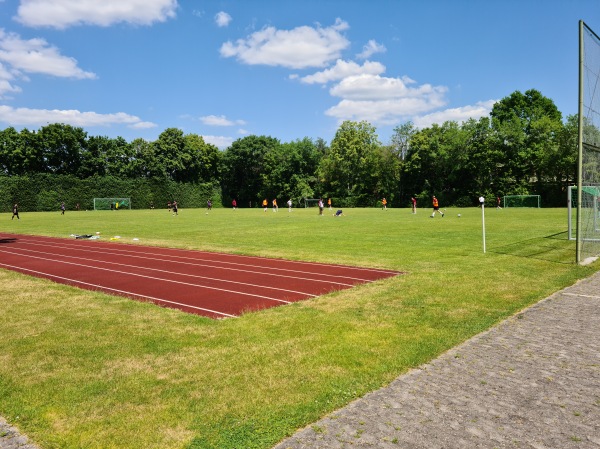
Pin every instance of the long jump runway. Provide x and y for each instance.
(214, 285)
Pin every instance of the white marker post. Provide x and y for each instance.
(482, 202)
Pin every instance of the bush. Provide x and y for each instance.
(45, 192)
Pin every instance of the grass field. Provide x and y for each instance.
(80, 369)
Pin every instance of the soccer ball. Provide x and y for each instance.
(458, 215)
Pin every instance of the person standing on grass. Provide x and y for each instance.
(498, 203)
(329, 203)
(15, 212)
(62, 208)
(436, 207)
(289, 203)
(413, 200)
(265, 204)
(384, 204)
(321, 205)
(209, 205)
(275, 208)
(234, 204)
(175, 208)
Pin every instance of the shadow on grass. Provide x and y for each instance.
(555, 248)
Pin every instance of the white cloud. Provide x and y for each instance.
(370, 49)
(383, 100)
(462, 114)
(37, 56)
(375, 87)
(40, 117)
(220, 120)
(298, 48)
(343, 69)
(220, 142)
(222, 19)
(6, 78)
(64, 13)
(18, 57)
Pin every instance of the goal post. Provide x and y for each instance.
(112, 203)
(588, 160)
(522, 201)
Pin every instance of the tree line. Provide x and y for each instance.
(522, 147)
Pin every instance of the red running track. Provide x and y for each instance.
(210, 284)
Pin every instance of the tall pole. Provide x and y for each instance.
(482, 202)
(580, 146)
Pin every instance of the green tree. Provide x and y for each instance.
(400, 140)
(61, 147)
(12, 152)
(346, 170)
(527, 128)
(431, 162)
(290, 170)
(204, 165)
(242, 169)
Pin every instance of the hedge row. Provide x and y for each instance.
(44, 192)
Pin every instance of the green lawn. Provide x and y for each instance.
(86, 370)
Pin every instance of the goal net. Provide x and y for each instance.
(311, 202)
(588, 163)
(590, 207)
(112, 203)
(522, 201)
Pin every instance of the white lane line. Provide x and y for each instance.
(122, 250)
(14, 251)
(152, 277)
(134, 254)
(121, 292)
(287, 261)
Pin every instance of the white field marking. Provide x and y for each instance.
(582, 296)
(33, 241)
(165, 271)
(122, 292)
(318, 264)
(196, 264)
(152, 277)
(302, 262)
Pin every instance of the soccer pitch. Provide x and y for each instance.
(84, 369)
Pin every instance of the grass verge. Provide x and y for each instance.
(84, 369)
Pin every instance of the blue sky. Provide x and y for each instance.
(286, 69)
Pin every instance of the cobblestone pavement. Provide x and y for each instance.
(531, 382)
(11, 439)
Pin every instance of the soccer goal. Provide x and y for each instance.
(311, 202)
(112, 203)
(522, 201)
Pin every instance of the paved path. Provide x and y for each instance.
(533, 381)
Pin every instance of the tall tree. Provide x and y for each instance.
(345, 169)
(290, 170)
(527, 127)
(61, 147)
(242, 167)
(400, 140)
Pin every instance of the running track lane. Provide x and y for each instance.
(215, 285)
